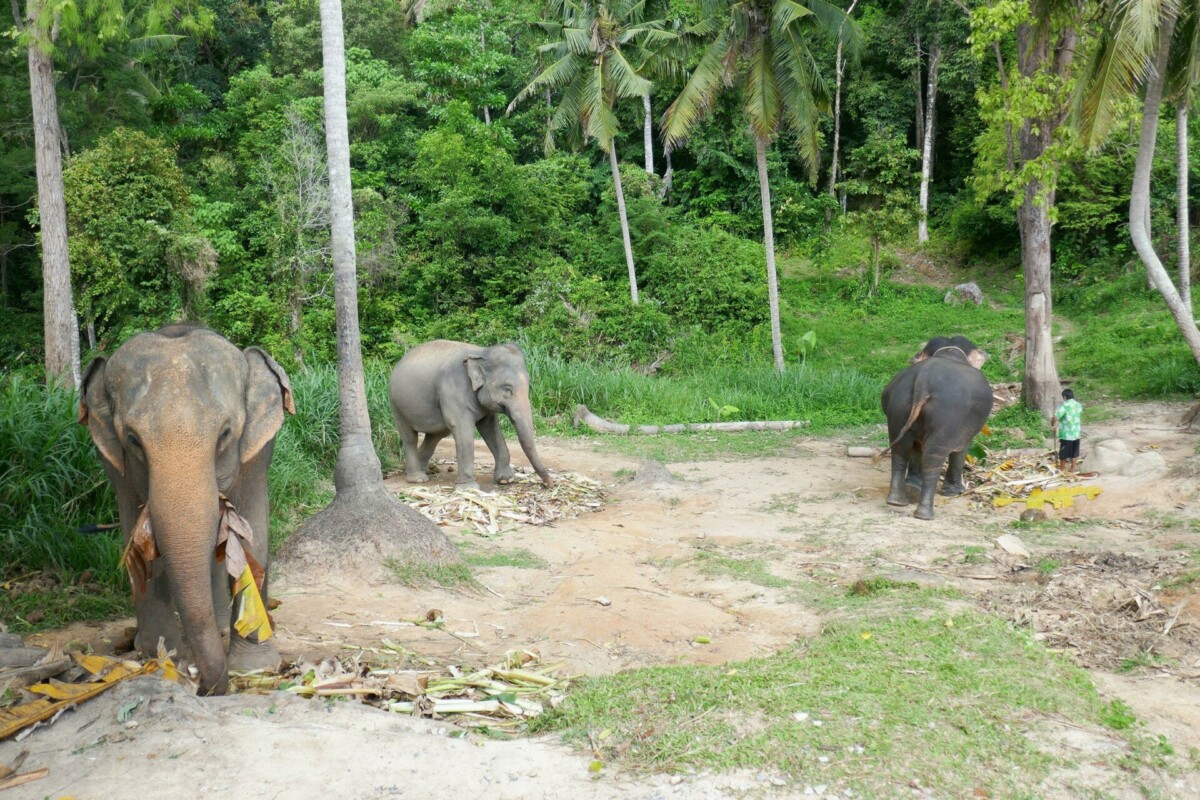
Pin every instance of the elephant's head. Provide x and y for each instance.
(974, 356)
(500, 381)
(177, 414)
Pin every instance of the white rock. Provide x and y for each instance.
(1150, 463)
(1013, 546)
(1110, 457)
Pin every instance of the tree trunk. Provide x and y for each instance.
(487, 112)
(935, 58)
(839, 67)
(1139, 200)
(648, 133)
(668, 177)
(58, 311)
(616, 172)
(365, 525)
(1183, 222)
(764, 190)
(919, 136)
(875, 246)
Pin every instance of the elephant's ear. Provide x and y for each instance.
(268, 395)
(475, 371)
(977, 358)
(95, 411)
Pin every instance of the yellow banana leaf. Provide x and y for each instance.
(252, 621)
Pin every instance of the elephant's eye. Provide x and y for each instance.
(224, 437)
(133, 440)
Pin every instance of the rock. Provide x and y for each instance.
(964, 292)
(1109, 456)
(1148, 464)
(860, 452)
(1033, 515)
(653, 473)
(1013, 546)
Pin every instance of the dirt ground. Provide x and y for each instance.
(624, 589)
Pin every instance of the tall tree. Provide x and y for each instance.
(1154, 43)
(762, 48)
(362, 508)
(593, 67)
(927, 137)
(839, 72)
(1046, 33)
(44, 28)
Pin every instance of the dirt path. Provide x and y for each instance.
(629, 586)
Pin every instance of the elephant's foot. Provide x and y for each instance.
(952, 489)
(467, 485)
(419, 477)
(914, 481)
(897, 497)
(504, 476)
(246, 656)
(924, 511)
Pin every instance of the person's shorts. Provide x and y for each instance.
(1067, 449)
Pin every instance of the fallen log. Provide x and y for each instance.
(860, 452)
(584, 416)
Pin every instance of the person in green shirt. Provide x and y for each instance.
(1066, 423)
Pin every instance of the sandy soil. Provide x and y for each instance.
(810, 513)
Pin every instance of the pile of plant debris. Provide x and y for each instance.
(526, 500)
(1109, 610)
(1029, 477)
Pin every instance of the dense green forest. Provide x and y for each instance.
(195, 184)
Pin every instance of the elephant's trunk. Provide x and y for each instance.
(522, 418)
(184, 514)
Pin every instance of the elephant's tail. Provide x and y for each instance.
(913, 413)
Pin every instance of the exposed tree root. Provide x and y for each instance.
(358, 533)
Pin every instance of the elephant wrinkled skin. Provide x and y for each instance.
(445, 388)
(181, 417)
(934, 408)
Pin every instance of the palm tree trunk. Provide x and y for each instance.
(764, 190)
(935, 58)
(365, 526)
(920, 124)
(616, 172)
(648, 134)
(1139, 201)
(58, 311)
(1184, 224)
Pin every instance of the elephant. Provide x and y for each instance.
(934, 408)
(185, 426)
(444, 387)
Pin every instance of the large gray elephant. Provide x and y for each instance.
(934, 408)
(445, 388)
(183, 418)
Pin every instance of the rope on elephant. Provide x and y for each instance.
(584, 416)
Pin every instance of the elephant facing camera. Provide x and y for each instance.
(185, 425)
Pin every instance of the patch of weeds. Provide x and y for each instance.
(1182, 579)
(1142, 659)
(874, 586)
(624, 473)
(447, 576)
(519, 558)
(681, 447)
(975, 554)
(1047, 566)
(1118, 715)
(751, 570)
(899, 700)
(56, 603)
(787, 502)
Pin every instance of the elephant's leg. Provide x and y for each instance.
(953, 485)
(413, 470)
(913, 478)
(896, 495)
(464, 451)
(429, 443)
(489, 428)
(249, 496)
(931, 471)
(156, 615)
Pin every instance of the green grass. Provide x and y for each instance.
(751, 570)
(61, 604)
(518, 557)
(446, 576)
(900, 699)
(673, 448)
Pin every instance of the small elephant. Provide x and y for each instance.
(185, 424)
(934, 408)
(443, 387)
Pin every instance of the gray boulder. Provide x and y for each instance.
(1109, 456)
(1145, 465)
(965, 292)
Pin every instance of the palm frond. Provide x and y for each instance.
(625, 82)
(157, 43)
(598, 119)
(784, 13)
(697, 95)
(1183, 72)
(762, 99)
(558, 74)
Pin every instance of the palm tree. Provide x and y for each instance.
(362, 511)
(1156, 44)
(593, 54)
(760, 46)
